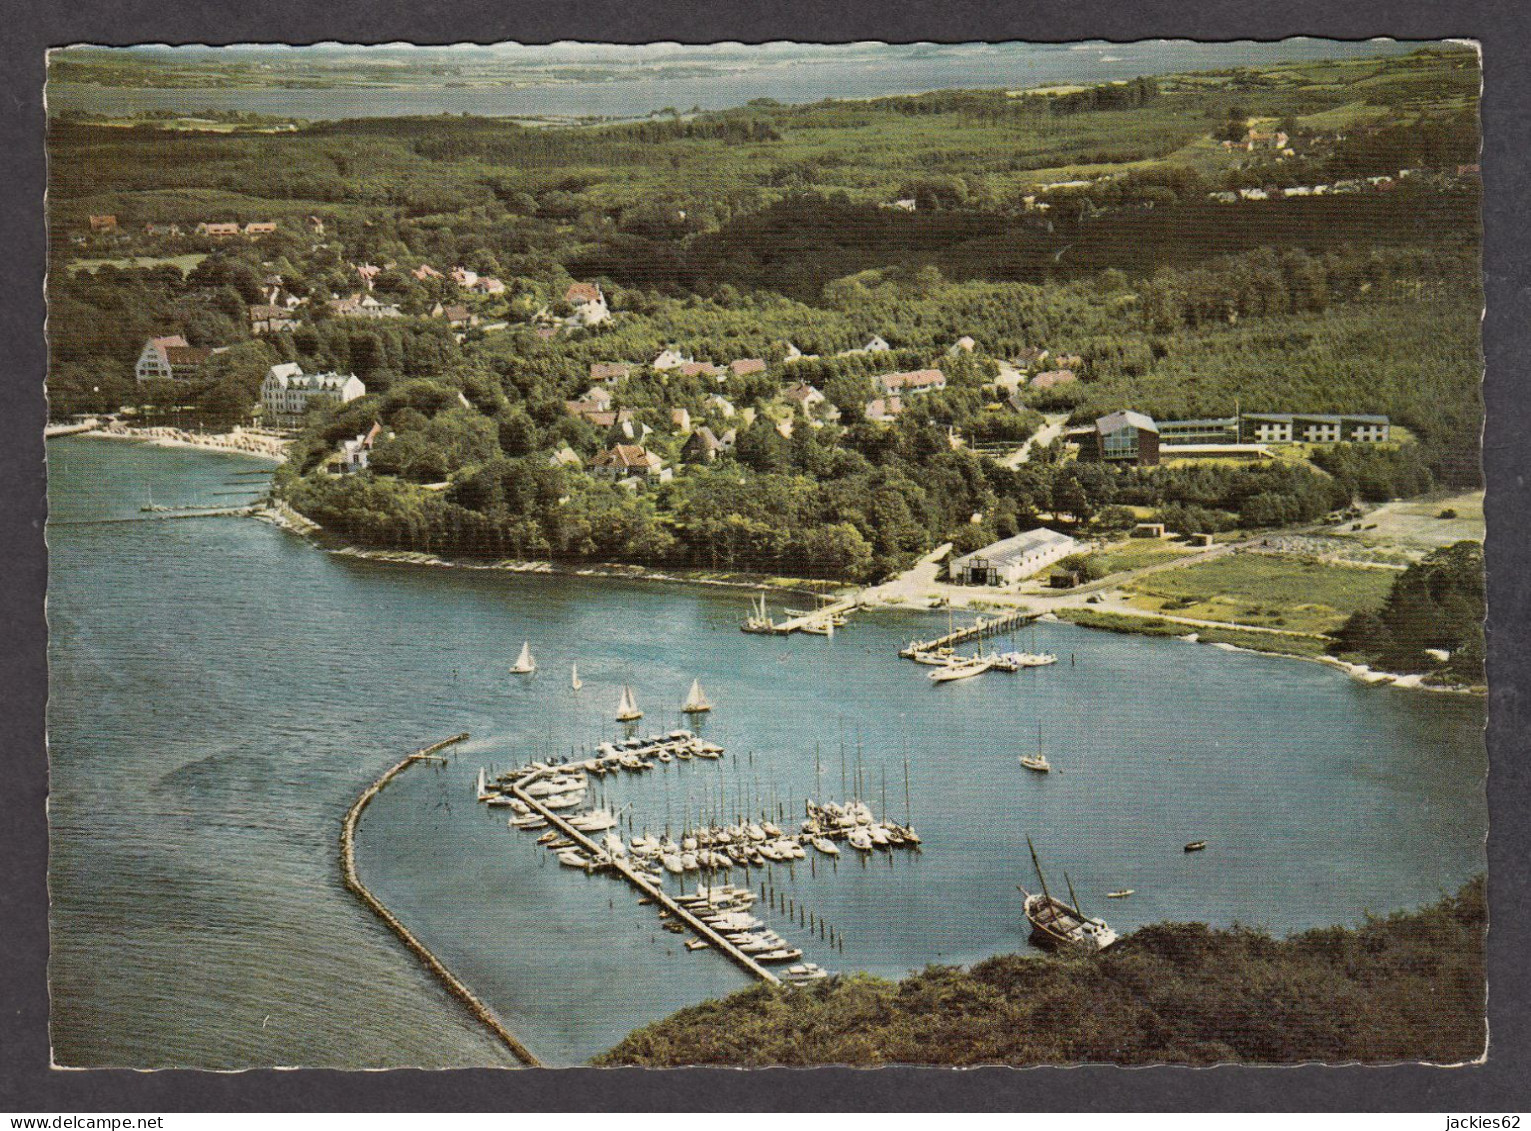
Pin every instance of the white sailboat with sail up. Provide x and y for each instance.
(696, 700)
(574, 681)
(524, 664)
(627, 707)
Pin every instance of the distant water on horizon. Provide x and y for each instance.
(221, 691)
(784, 72)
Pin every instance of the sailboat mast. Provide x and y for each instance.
(1072, 896)
(1037, 864)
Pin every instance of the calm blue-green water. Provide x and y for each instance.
(784, 72)
(221, 691)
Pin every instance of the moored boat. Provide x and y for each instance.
(961, 669)
(1057, 925)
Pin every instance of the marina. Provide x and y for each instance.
(1369, 798)
(716, 912)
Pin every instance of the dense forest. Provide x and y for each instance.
(1081, 223)
(1405, 988)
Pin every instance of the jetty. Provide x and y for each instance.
(164, 516)
(993, 626)
(354, 884)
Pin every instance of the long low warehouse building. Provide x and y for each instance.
(1012, 559)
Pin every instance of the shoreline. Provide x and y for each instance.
(254, 444)
(285, 517)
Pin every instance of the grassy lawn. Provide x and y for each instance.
(1264, 589)
(184, 262)
(1243, 638)
(1139, 552)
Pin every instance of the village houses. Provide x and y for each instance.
(628, 462)
(608, 373)
(914, 381)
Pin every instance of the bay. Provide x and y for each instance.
(221, 691)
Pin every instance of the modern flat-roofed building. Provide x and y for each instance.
(1215, 430)
(1012, 559)
(1314, 428)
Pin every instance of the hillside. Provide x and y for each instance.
(1405, 988)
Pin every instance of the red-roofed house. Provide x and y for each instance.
(621, 461)
(594, 402)
(425, 271)
(217, 229)
(608, 372)
(1052, 378)
(260, 227)
(589, 304)
(884, 410)
(744, 366)
(169, 359)
(103, 223)
(914, 381)
(698, 369)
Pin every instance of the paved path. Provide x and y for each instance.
(1050, 431)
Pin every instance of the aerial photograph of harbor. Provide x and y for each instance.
(765, 554)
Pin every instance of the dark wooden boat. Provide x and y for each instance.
(1056, 925)
(1196, 846)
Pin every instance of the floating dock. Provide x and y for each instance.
(995, 626)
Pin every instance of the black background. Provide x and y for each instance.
(27, 1084)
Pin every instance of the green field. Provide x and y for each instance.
(1138, 553)
(1266, 590)
(1308, 647)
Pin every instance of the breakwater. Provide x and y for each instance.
(353, 882)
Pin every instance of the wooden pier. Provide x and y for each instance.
(976, 631)
(353, 882)
(646, 886)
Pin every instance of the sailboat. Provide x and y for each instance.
(1037, 761)
(524, 664)
(627, 707)
(759, 620)
(1055, 924)
(574, 681)
(696, 702)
